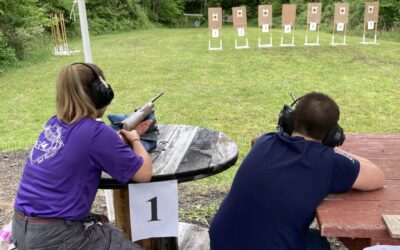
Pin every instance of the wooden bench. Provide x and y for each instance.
(356, 217)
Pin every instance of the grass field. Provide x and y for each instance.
(238, 92)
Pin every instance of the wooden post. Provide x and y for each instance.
(166, 243)
(122, 214)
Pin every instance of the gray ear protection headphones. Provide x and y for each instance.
(101, 92)
(334, 138)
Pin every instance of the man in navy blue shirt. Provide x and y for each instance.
(284, 178)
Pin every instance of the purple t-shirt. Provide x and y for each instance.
(63, 171)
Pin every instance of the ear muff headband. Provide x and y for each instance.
(334, 138)
(101, 92)
(286, 118)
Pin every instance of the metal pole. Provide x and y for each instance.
(85, 31)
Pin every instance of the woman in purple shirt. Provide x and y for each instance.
(63, 171)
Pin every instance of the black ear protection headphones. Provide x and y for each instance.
(334, 138)
(101, 92)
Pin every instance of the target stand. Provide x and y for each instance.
(263, 36)
(285, 30)
(341, 27)
(371, 25)
(214, 34)
(312, 27)
(241, 35)
(59, 35)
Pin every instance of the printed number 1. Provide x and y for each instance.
(153, 204)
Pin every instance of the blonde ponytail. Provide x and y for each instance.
(73, 101)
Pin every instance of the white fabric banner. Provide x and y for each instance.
(154, 209)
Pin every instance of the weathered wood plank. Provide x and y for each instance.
(225, 150)
(392, 183)
(358, 214)
(193, 237)
(386, 163)
(385, 194)
(392, 223)
(199, 153)
(166, 132)
(373, 136)
(169, 159)
(346, 223)
(380, 207)
(375, 153)
(385, 241)
(357, 219)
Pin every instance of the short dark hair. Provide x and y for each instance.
(315, 115)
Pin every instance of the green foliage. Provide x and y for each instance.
(22, 22)
(105, 16)
(389, 16)
(168, 12)
(7, 55)
(65, 7)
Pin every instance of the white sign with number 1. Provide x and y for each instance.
(154, 209)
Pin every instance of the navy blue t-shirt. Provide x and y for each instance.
(276, 191)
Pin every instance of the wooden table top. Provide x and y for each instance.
(358, 214)
(186, 153)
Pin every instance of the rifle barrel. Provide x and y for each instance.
(156, 97)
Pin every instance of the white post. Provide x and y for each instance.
(88, 59)
(85, 31)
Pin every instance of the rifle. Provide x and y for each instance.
(136, 117)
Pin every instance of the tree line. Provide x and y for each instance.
(25, 26)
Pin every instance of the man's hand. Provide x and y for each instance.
(142, 127)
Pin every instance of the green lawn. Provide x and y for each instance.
(238, 92)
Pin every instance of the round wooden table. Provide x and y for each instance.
(184, 153)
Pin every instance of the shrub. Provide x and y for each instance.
(7, 55)
(21, 22)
